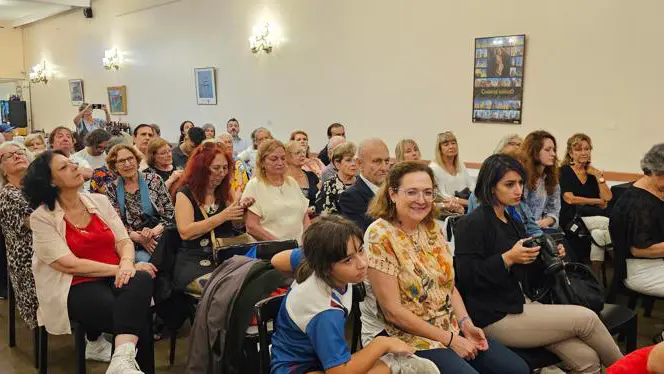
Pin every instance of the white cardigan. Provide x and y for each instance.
(449, 184)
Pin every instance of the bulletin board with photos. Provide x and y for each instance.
(498, 79)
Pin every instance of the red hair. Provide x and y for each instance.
(197, 172)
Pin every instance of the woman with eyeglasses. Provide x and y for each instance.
(140, 199)
(307, 180)
(311, 164)
(15, 215)
(159, 158)
(84, 262)
(411, 274)
(451, 175)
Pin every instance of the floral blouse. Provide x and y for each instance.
(241, 177)
(422, 263)
(327, 200)
(101, 177)
(14, 209)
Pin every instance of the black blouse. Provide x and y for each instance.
(311, 192)
(490, 290)
(569, 182)
(224, 230)
(637, 220)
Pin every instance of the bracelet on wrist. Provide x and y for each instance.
(451, 338)
(463, 320)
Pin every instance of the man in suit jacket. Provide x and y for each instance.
(335, 129)
(373, 159)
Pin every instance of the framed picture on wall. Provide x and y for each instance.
(76, 92)
(498, 79)
(206, 88)
(117, 99)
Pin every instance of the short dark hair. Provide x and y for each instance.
(156, 129)
(232, 120)
(37, 185)
(492, 171)
(196, 135)
(141, 126)
(324, 243)
(51, 136)
(96, 137)
(329, 128)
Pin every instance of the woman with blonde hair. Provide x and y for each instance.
(35, 143)
(307, 180)
(508, 143)
(451, 175)
(407, 150)
(312, 164)
(280, 210)
(585, 194)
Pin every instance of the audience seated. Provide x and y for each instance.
(451, 174)
(239, 144)
(345, 165)
(307, 180)
(156, 129)
(193, 138)
(206, 215)
(62, 139)
(141, 200)
(102, 176)
(94, 153)
(184, 128)
(406, 250)
(637, 227)
(35, 143)
(241, 174)
(280, 210)
(407, 150)
(329, 171)
(309, 329)
(83, 261)
(542, 191)
(335, 129)
(373, 159)
(586, 194)
(14, 215)
(84, 121)
(490, 259)
(312, 164)
(248, 156)
(210, 131)
(143, 133)
(508, 144)
(159, 158)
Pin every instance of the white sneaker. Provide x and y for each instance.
(409, 364)
(98, 350)
(124, 361)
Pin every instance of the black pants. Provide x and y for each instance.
(100, 306)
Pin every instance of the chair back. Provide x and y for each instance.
(266, 310)
(263, 250)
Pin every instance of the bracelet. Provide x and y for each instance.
(450, 342)
(462, 320)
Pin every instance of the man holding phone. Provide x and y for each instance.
(84, 121)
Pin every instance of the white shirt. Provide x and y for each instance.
(82, 162)
(94, 162)
(371, 186)
(281, 209)
(249, 158)
(449, 184)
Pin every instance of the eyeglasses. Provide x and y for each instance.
(164, 153)
(128, 161)
(10, 155)
(414, 194)
(514, 144)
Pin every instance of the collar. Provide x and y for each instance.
(371, 186)
(59, 213)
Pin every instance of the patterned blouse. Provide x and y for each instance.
(14, 210)
(422, 263)
(542, 204)
(101, 177)
(327, 200)
(241, 177)
(161, 201)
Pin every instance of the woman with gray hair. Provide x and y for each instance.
(14, 215)
(508, 143)
(210, 131)
(637, 227)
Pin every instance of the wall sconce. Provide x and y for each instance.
(261, 40)
(39, 73)
(112, 60)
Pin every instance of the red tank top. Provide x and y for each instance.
(95, 242)
(634, 363)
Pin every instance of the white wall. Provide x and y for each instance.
(11, 53)
(7, 89)
(384, 68)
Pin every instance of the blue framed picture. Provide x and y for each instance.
(206, 88)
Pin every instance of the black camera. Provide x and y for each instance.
(96, 106)
(548, 254)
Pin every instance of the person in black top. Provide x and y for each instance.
(193, 138)
(332, 130)
(637, 227)
(490, 261)
(584, 192)
(307, 180)
(207, 218)
(159, 158)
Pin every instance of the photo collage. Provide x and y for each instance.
(498, 79)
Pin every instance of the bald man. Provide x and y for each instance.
(373, 160)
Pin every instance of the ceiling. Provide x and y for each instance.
(15, 13)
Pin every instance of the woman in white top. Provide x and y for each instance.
(451, 175)
(280, 210)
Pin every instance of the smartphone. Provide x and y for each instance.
(96, 106)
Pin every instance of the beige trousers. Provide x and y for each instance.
(573, 333)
